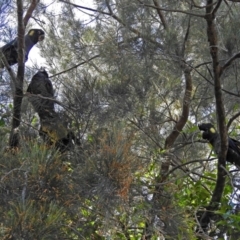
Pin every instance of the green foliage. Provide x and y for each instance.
(30, 220)
(124, 105)
(2, 122)
(190, 188)
(33, 194)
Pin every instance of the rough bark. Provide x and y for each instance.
(18, 94)
(221, 174)
(18, 81)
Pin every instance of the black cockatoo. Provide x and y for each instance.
(53, 129)
(56, 134)
(42, 94)
(10, 49)
(211, 134)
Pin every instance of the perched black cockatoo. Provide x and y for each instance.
(55, 133)
(211, 134)
(41, 94)
(10, 50)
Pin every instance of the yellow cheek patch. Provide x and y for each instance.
(31, 33)
(212, 130)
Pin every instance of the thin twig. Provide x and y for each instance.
(69, 69)
(173, 10)
(228, 63)
(189, 162)
(232, 119)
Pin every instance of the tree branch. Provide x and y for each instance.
(30, 10)
(224, 90)
(220, 183)
(216, 7)
(9, 69)
(232, 119)
(77, 65)
(185, 111)
(228, 63)
(86, 8)
(163, 20)
(161, 179)
(172, 10)
(175, 133)
(180, 123)
(18, 83)
(180, 166)
(18, 93)
(114, 16)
